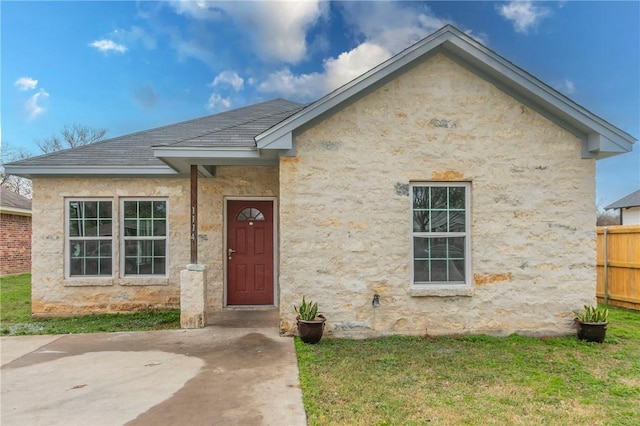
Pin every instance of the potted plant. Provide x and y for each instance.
(310, 324)
(592, 323)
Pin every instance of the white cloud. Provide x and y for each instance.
(33, 104)
(230, 78)
(26, 83)
(133, 36)
(386, 27)
(523, 14)
(106, 46)
(217, 102)
(278, 29)
(565, 86)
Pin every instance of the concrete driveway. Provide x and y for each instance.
(212, 376)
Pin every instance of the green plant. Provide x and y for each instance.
(593, 314)
(307, 311)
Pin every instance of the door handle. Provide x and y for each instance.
(231, 251)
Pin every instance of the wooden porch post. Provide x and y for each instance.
(194, 214)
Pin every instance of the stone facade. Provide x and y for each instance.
(345, 210)
(53, 294)
(15, 244)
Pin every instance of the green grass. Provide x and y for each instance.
(15, 315)
(475, 379)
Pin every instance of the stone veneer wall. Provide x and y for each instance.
(345, 210)
(52, 294)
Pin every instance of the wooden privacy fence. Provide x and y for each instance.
(618, 266)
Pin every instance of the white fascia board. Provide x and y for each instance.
(30, 171)
(206, 153)
(15, 211)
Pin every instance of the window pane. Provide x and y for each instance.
(90, 228)
(420, 248)
(456, 222)
(159, 228)
(421, 271)
(105, 266)
(159, 209)
(145, 228)
(456, 197)
(438, 248)
(420, 197)
(456, 247)
(74, 228)
(159, 266)
(456, 270)
(420, 221)
(159, 248)
(438, 270)
(439, 197)
(438, 221)
(105, 250)
(91, 267)
(144, 209)
(74, 209)
(76, 267)
(104, 209)
(104, 228)
(130, 209)
(90, 209)
(130, 228)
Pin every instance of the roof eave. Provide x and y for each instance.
(30, 171)
(15, 211)
(181, 158)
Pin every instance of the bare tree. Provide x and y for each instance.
(16, 184)
(71, 136)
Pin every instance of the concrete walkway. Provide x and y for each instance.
(211, 376)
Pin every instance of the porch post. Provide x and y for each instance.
(194, 214)
(193, 280)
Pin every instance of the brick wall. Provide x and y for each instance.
(15, 244)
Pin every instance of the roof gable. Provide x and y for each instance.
(600, 139)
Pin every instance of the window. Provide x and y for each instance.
(440, 237)
(90, 238)
(144, 237)
(250, 214)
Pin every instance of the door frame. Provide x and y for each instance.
(225, 275)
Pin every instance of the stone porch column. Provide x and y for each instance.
(193, 296)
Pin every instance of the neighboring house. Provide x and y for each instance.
(629, 207)
(447, 181)
(15, 233)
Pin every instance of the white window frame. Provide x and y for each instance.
(68, 238)
(124, 238)
(440, 288)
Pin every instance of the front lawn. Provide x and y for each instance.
(475, 379)
(15, 315)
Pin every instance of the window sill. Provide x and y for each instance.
(441, 291)
(88, 282)
(143, 281)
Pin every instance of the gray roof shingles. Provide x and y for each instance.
(235, 128)
(13, 200)
(631, 200)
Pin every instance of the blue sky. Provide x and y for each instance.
(129, 66)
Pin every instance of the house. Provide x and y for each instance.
(448, 182)
(629, 207)
(15, 233)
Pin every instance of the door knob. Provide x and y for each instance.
(231, 251)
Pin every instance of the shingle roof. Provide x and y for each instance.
(13, 200)
(631, 200)
(235, 128)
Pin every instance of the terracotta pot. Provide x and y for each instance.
(311, 331)
(592, 331)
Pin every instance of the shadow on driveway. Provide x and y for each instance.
(211, 376)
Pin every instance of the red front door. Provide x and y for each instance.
(249, 252)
